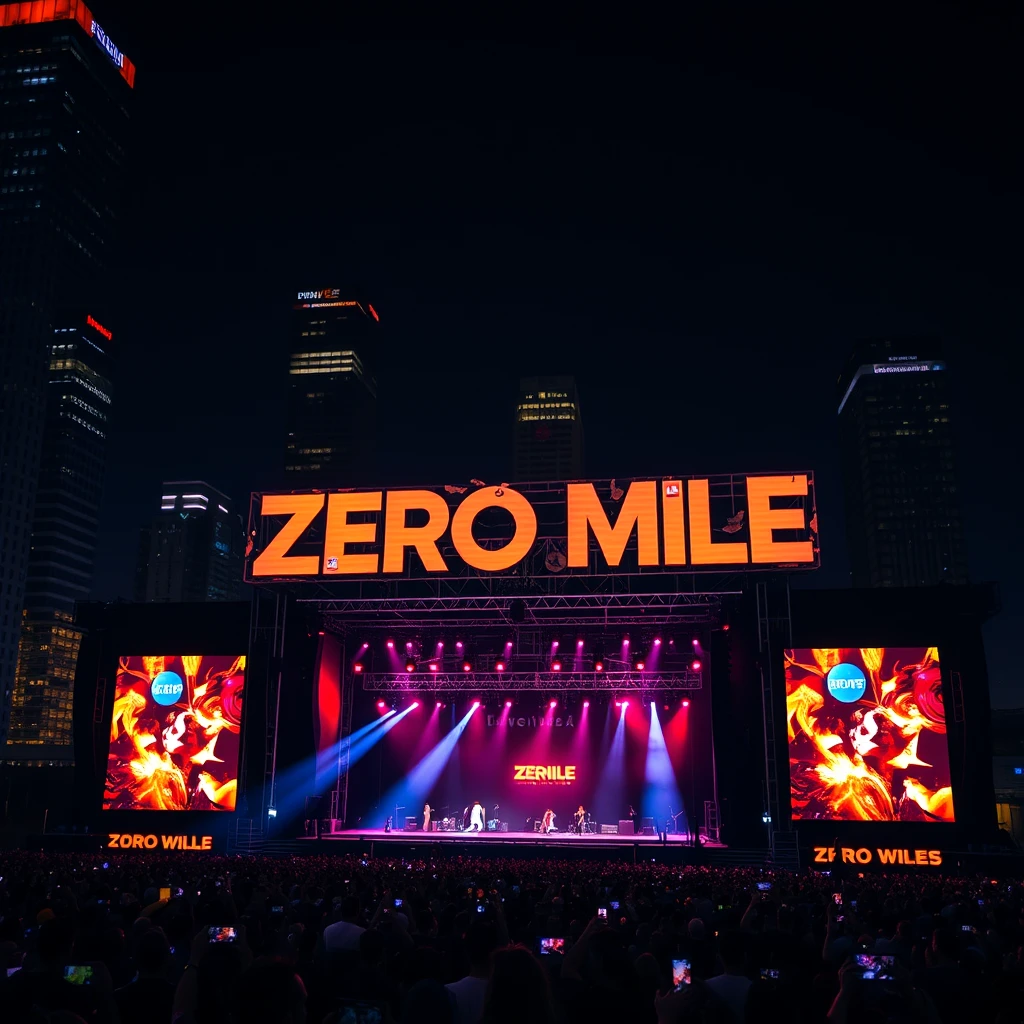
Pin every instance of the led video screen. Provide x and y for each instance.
(174, 733)
(867, 735)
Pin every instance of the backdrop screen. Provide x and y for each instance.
(174, 733)
(867, 734)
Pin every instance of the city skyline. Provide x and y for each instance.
(703, 296)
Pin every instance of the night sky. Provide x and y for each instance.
(697, 220)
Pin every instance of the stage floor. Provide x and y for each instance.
(552, 839)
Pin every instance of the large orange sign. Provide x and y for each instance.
(682, 524)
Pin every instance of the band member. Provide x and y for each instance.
(581, 815)
(476, 818)
(548, 821)
(427, 810)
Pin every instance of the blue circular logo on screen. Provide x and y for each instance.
(167, 687)
(846, 682)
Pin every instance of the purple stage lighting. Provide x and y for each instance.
(695, 665)
(554, 643)
(476, 703)
(625, 704)
(365, 645)
(579, 643)
(458, 643)
(556, 666)
(499, 666)
(438, 704)
(686, 703)
(391, 645)
(357, 667)
(508, 703)
(467, 666)
(432, 666)
(381, 705)
(657, 641)
(639, 666)
(415, 703)
(553, 704)
(410, 665)
(586, 703)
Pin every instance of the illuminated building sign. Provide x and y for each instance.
(323, 293)
(107, 44)
(99, 327)
(151, 841)
(890, 857)
(545, 773)
(696, 524)
(896, 364)
(38, 12)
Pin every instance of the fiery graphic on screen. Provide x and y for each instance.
(860, 761)
(165, 757)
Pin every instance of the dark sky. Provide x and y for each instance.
(696, 219)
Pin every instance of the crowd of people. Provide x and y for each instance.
(139, 937)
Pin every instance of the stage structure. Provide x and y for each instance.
(557, 590)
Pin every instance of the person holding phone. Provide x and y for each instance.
(732, 985)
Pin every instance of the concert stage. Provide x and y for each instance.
(555, 840)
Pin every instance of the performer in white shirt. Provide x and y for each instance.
(476, 817)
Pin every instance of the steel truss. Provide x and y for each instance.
(490, 611)
(545, 682)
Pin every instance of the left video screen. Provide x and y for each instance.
(175, 732)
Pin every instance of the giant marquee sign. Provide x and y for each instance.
(640, 526)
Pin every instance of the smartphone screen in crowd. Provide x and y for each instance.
(680, 974)
(553, 945)
(876, 968)
(764, 886)
(602, 912)
(80, 975)
(222, 933)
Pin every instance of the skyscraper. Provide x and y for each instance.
(548, 430)
(63, 541)
(65, 91)
(192, 550)
(332, 394)
(899, 466)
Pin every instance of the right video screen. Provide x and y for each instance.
(867, 734)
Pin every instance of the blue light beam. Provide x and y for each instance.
(414, 789)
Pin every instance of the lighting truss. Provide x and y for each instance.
(552, 609)
(546, 682)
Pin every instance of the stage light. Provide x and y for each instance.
(586, 703)
(467, 666)
(725, 627)
(554, 643)
(695, 642)
(365, 645)
(391, 645)
(458, 643)
(357, 667)
(579, 643)
(381, 705)
(476, 703)
(499, 666)
(657, 641)
(625, 641)
(440, 643)
(271, 812)
(408, 645)
(686, 703)
(508, 643)
(553, 704)
(625, 704)
(415, 703)
(508, 703)
(598, 666)
(432, 666)
(410, 665)
(438, 704)
(695, 665)
(618, 703)
(639, 666)
(556, 666)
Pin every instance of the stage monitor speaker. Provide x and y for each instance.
(649, 830)
(411, 824)
(626, 827)
(647, 822)
(609, 830)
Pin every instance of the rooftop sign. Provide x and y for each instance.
(629, 527)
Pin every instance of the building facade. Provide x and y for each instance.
(332, 393)
(65, 96)
(64, 525)
(897, 443)
(548, 430)
(192, 550)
